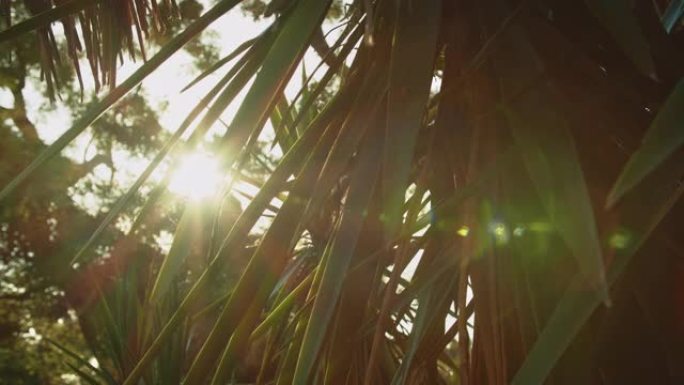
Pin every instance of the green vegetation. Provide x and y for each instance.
(470, 192)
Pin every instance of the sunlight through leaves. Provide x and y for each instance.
(197, 176)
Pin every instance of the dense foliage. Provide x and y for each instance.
(471, 192)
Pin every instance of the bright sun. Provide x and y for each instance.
(197, 176)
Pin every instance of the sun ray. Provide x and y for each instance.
(197, 176)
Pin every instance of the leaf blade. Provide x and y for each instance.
(620, 21)
(44, 18)
(672, 14)
(664, 136)
(362, 184)
(411, 68)
(641, 213)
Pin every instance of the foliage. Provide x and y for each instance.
(481, 143)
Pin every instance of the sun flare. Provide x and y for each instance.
(197, 176)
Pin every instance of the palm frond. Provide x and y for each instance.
(443, 191)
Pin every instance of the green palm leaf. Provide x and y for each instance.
(664, 137)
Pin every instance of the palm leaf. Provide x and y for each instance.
(44, 19)
(641, 214)
(412, 62)
(620, 21)
(360, 191)
(82, 362)
(672, 14)
(549, 154)
(663, 138)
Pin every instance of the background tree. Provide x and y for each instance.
(42, 228)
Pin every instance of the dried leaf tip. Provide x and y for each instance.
(368, 33)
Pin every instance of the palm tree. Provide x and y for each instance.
(490, 196)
